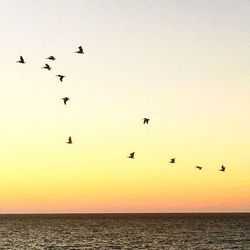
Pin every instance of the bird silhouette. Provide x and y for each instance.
(172, 160)
(51, 58)
(80, 50)
(198, 167)
(60, 77)
(65, 99)
(47, 67)
(21, 60)
(131, 155)
(69, 140)
(222, 168)
(145, 120)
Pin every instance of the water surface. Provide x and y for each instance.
(125, 231)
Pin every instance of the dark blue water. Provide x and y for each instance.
(125, 231)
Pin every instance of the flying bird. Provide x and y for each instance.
(145, 120)
(80, 50)
(21, 60)
(172, 160)
(65, 99)
(222, 168)
(69, 140)
(131, 155)
(51, 58)
(198, 167)
(47, 67)
(60, 77)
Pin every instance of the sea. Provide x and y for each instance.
(125, 231)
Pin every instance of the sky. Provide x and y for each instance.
(182, 63)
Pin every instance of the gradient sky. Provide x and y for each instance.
(182, 63)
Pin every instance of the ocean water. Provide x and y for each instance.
(125, 231)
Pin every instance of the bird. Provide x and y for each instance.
(80, 50)
(47, 67)
(65, 99)
(131, 155)
(198, 167)
(222, 168)
(145, 120)
(69, 140)
(21, 60)
(60, 77)
(172, 160)
(51, 58)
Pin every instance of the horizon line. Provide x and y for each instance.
(123, 213)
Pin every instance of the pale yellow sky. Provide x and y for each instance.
(184, 64)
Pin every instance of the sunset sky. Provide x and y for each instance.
(182, 63)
